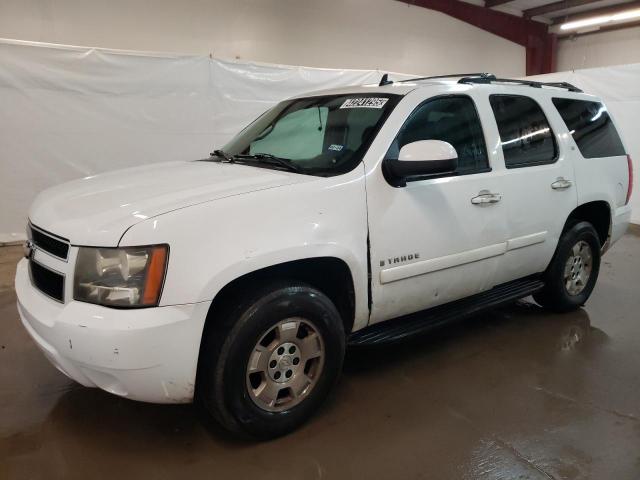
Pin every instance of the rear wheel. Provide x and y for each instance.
(573, 272)
(272, 361)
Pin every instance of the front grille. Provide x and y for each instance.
(50, 243)
(47, 281)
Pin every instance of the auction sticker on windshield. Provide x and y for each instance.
(365, 102)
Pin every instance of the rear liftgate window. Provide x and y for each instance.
(591, 127)
(526, 136)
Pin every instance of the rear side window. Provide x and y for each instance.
(450, 119)
(525, 133)
(591, 127)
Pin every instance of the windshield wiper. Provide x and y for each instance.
(273, 160)
(222, 155)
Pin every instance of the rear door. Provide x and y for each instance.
(540, 190)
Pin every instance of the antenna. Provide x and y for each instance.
(385, 80)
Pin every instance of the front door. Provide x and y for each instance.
(437, 239)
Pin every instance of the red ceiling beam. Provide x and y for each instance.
(530, 34)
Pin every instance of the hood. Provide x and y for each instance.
(97, 210)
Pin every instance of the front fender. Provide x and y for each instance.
(214, 243)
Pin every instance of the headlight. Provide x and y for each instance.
(120, 277)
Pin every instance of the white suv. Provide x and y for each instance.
(353, 216)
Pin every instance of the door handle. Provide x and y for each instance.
(561, 184)
(485, 197)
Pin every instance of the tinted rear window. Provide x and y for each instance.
(591, 127)
(526, 136)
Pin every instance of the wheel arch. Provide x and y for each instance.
(598, 214)
(330, 275)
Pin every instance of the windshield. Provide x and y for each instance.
(324, 136)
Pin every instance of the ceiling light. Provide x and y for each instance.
(626, 15)
(587, 22)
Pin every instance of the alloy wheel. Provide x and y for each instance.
(285, 364)
(577, 269)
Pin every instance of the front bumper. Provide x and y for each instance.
(148, 354)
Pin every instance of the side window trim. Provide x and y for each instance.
(487, 169)
(546, 118)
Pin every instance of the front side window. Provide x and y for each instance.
(527, 138)
(450, 119)
(324, 136)
(591, 127)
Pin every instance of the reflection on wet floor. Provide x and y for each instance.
(514, 393)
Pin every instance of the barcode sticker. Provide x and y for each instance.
(365, 102)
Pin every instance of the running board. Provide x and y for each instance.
(421, 322)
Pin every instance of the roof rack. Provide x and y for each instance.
(385, 78)
(451, 75)
(487, 78)
(490, 78)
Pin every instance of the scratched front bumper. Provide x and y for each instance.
(146, 354)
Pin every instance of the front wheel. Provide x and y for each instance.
(272, 361)
(573, 271)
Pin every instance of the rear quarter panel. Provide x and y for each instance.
(604, 178)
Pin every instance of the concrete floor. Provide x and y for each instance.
(515, 393)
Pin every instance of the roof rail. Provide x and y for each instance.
(567, 85)
(488, 78)
(451, 75)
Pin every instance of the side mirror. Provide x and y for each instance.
(424, 157)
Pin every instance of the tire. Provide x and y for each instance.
(227, 386)
(571, 275)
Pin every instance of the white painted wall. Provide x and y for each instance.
(364, 34)
(619, 47)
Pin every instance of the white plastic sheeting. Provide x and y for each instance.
(619, 88)
(68, 112)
